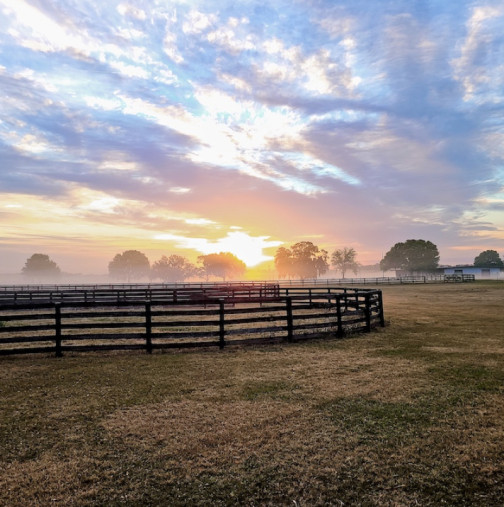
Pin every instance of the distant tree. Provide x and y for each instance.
(40, 266)
(223, 264)
(283, 262)
(321, 263)
(303, 260)
(345, 259)
(174, 268)
(488, 259)
(129, 265)
(412, 255)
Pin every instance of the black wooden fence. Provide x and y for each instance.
(58, 327)
(127, 293)
(134, 290)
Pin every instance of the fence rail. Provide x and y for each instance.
(166, 294)
(230, 294)
(130, 286)
(58, 327)
(7, 291)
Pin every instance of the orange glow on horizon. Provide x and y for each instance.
(249, 249)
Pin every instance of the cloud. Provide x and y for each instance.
(197, 22)
(479, 80)
(357, 122)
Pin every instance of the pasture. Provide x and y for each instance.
(409, 414)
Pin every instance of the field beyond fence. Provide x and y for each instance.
(42, 321)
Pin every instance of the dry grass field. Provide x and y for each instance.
(411, 414)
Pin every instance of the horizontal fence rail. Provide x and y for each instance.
(8, 292)
(154, 293)
(238, 291)
(381, 280)
(131, 286)
(150, 325)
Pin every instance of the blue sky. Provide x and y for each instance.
(190, 127)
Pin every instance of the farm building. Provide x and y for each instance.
(492, 273)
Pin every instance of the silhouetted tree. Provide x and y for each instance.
(345, 259)
(303, 260)
(488, 259)
(40, 266)
(174, 268)
(321, 264)
(223, 265)
(129, 265)
(412, 255)
(283, 262)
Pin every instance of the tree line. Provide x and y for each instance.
(301, 260)
(420, 256)
(305, 260)
(134, 265)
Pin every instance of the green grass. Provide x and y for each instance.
(412, 414)
(377, 422)
(268, 389)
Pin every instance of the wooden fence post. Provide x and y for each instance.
(148, 327)
(57, 328)
(340, 331)
(221, 324)
(290, 323)
(367, 311)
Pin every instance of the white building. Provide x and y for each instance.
(491, 273)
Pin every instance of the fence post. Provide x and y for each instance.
(148, 327)
(290, 324)
(221, 324)
(340, 331)
(367, 311)
(57, 328)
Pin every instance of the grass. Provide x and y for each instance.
(411, 414)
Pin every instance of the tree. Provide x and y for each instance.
(412, 255)
(223, 265)
(40, 266)
(345, 259)
(129, 265)
(283, 262)
(173, 269)
(303, 259)
(488, 259)
(321, 264)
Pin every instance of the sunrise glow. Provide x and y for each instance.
(247, 248)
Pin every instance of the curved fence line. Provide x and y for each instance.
(58, 327)
(169, 295)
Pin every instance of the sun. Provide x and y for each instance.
(249, 249)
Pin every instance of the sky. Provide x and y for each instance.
(193, 127)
